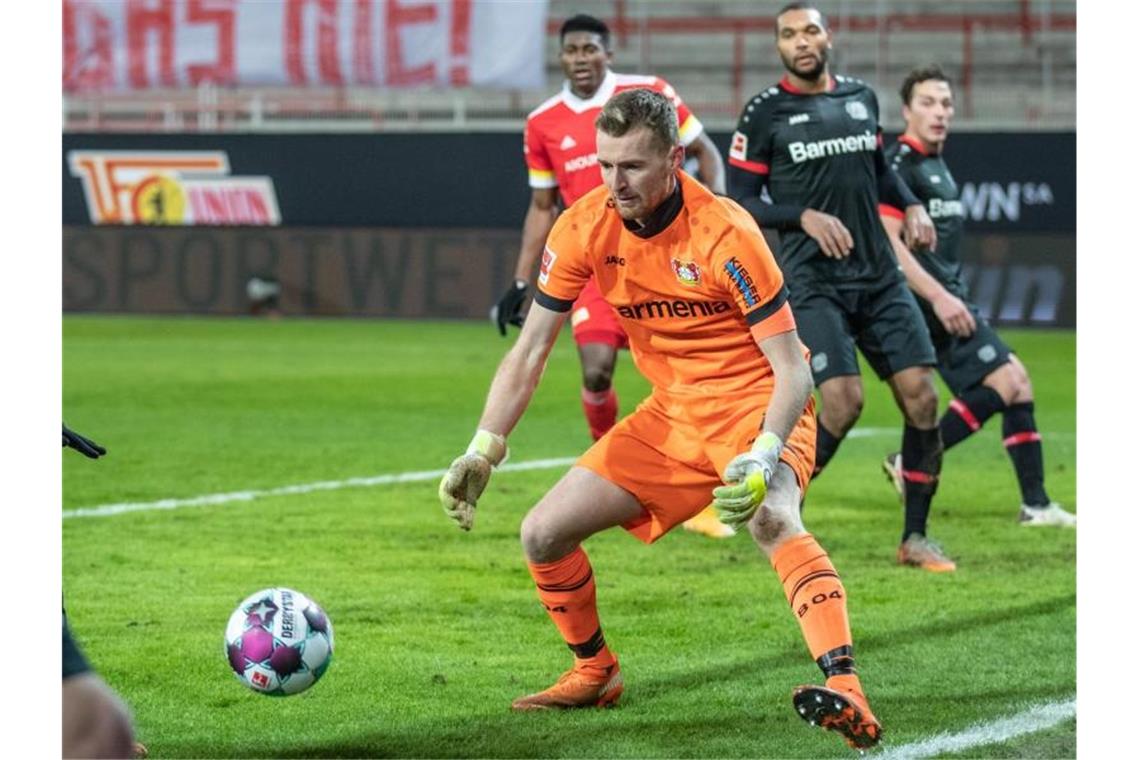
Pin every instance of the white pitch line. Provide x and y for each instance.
(1036, 718)
(107, 510)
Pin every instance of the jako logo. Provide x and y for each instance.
(993, 201)
(671, 309)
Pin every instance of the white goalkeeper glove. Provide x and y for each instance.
(467, 476)
(747, 476)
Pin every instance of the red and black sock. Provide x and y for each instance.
(921, 466)
(967, 413)
(1023, 442)
(826, 445)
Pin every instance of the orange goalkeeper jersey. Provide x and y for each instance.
(693, 296)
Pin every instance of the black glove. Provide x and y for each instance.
(508, 311)
(84, 446)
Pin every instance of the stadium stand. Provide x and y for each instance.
(1013, 61)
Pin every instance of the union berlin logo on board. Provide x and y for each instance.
(171, 187)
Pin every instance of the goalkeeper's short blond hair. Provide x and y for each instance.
(631, 109)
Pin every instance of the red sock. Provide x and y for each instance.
(566, 589)
(601, 408)
(819, 603)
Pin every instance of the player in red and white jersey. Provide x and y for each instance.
(562, 162)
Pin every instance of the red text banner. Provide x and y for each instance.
(111, 45)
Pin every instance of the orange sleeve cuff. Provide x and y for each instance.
(780, 322)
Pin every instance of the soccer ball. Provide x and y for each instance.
(279, 642)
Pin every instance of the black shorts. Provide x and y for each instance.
(884, 321)
(965, 362)
(74, 663)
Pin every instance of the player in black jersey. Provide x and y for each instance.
(985, 376)
(812, 144)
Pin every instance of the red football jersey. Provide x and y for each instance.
(559, 141)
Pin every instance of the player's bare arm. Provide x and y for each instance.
(793, 382)
(520, 371)
(949, 309)
(511, 391)
(748, 474)
(834, 238)
(711, 164)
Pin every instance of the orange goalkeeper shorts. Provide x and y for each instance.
(672, 466)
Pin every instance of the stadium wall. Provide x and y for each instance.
(427, 225)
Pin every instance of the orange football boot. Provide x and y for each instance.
(708, 524)
(584, 687)
(845, 712)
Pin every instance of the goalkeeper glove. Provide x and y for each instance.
(509, 308)
(747, 476)
(84, 446)
(467, 476)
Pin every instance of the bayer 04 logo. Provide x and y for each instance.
(279, 642)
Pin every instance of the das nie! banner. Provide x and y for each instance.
(142, 44)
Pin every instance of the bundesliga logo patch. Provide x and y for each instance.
(548, 257)
(739, 147)
(688, 273)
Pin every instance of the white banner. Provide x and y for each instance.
(142, 44)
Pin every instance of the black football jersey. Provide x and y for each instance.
(819, 151)
(929, 178)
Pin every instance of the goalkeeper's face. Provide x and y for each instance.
(638, 171)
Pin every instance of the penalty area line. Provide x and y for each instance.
(1036, 718)
(213, 499)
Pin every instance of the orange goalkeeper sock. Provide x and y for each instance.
(819, 604)
(567, 591)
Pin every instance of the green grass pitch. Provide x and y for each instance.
(438, 630)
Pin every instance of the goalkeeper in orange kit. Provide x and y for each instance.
(730, 416)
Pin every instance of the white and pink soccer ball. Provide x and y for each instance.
(279, 642)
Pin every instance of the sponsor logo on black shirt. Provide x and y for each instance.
(809, 151)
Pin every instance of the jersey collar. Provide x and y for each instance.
(915, 145)
(662, 216)
(787, 85)
(599, 98)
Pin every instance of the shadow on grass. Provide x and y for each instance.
(625, 732)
